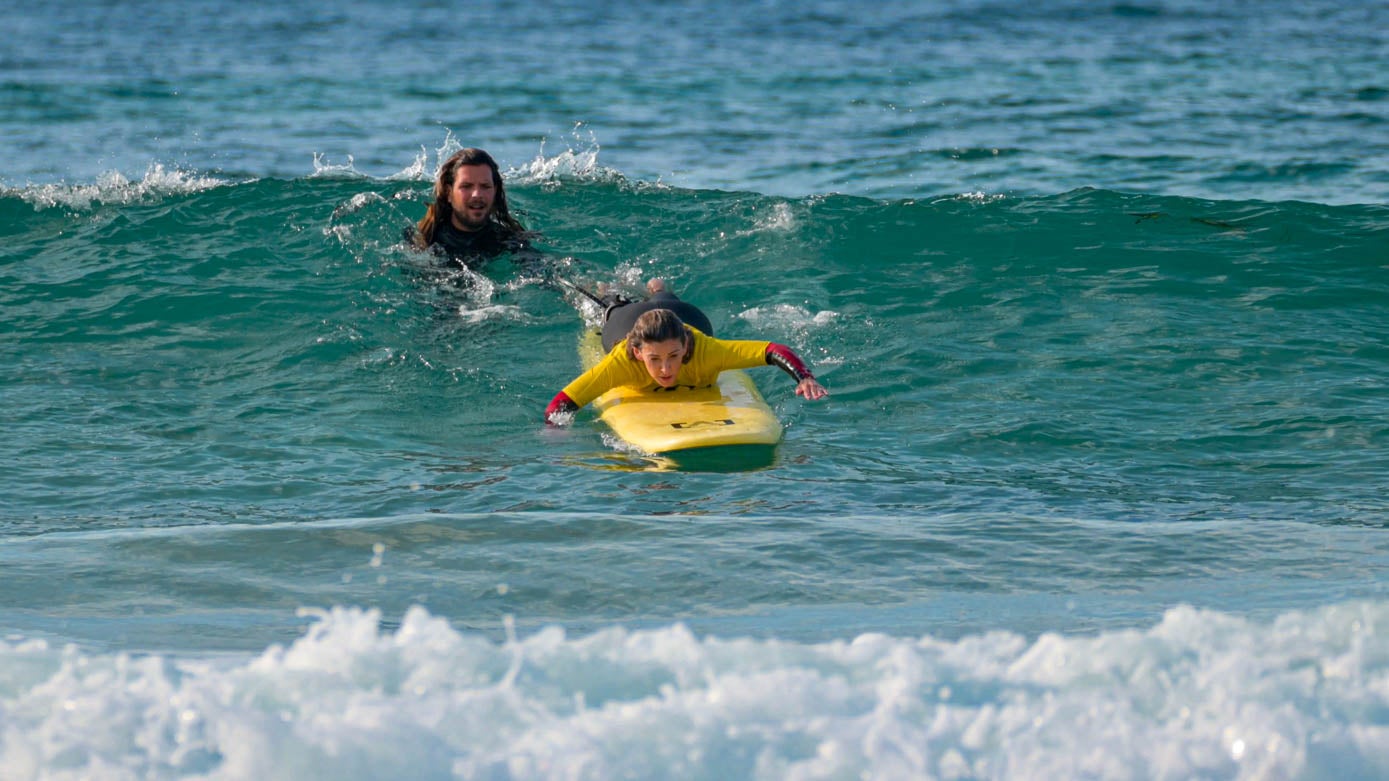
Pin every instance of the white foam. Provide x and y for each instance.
(114, 188)
(977, 196)
(578, 161)
(787, 317)
(778, 219)
(482, 314)
(1201, 694)
(322, 169)
(417, 171)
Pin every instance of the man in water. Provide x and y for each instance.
(470, 221)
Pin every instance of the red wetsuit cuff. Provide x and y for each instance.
(560, 403)
(781, 356)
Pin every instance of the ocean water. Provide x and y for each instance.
(1100, 292)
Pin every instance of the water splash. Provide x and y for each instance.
(578, 161)
(113, 187)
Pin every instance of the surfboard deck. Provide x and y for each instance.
(729, 412)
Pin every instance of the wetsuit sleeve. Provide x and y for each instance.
(784, 358)
(712, 356)
(614, 370)
(560, 403)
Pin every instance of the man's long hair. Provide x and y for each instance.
(440, 211)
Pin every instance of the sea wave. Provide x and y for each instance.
(1199, 694)
(115, 188)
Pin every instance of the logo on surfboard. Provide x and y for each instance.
(702, 423)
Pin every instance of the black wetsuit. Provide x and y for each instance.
(622, 315)
(469, 249)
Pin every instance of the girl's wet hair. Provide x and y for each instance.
(658, 325)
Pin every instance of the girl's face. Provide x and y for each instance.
(662, 360)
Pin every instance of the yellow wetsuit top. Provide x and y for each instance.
(708, 356)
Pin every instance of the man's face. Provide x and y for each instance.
(472, 196)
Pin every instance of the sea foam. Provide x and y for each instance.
(1201, 694)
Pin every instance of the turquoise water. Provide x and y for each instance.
(1099, 292)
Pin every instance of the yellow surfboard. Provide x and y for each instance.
(730, 412)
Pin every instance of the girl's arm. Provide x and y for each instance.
(560, 403)
(785, 358)
(614, 370)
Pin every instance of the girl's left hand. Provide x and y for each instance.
(811, 389)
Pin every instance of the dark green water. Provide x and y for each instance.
(1063, 373)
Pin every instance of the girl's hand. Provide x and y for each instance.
(811, 389)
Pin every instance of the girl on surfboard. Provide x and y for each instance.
(662, 351)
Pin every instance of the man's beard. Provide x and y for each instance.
(466, 220)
